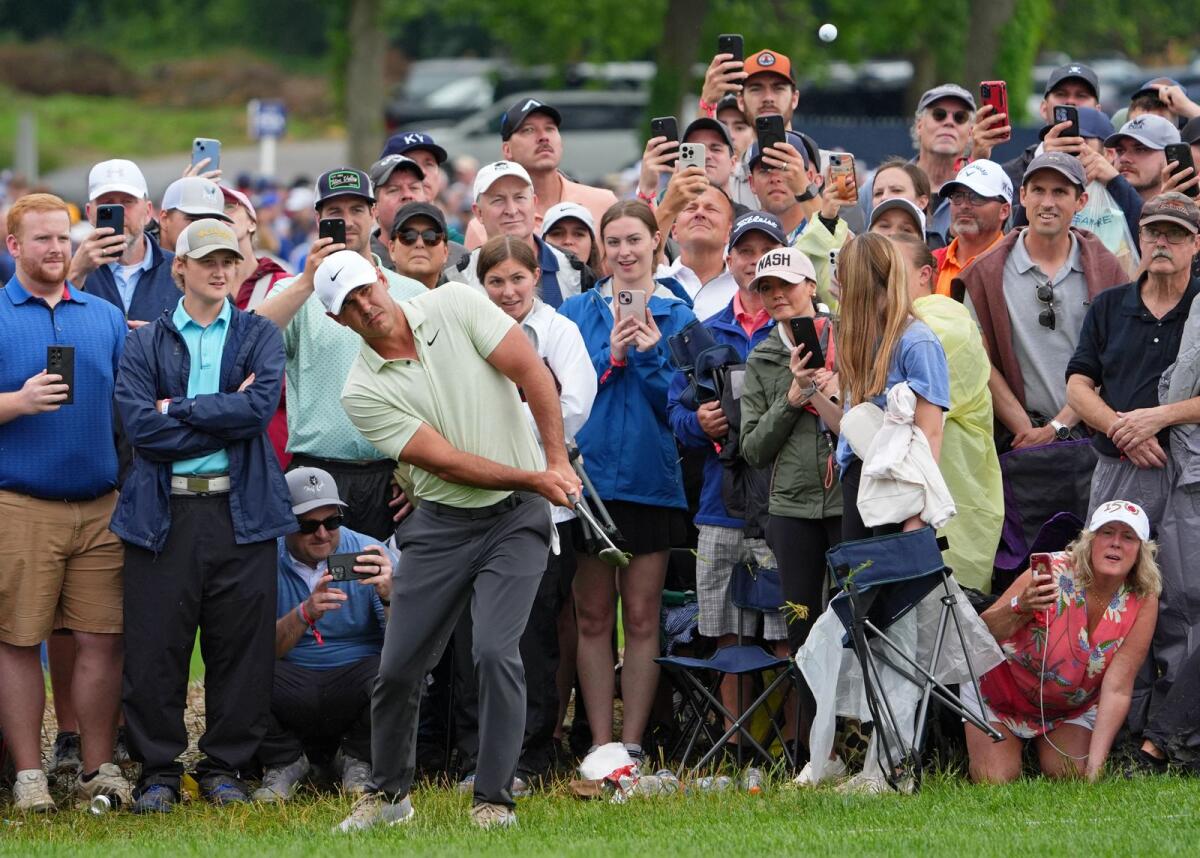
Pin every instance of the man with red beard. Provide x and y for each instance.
(58, 480)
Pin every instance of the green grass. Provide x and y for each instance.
(79, 128)
(1032, 818)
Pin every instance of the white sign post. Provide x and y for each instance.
(266, 120)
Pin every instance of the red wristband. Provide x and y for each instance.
(312, 625)
(707, 109)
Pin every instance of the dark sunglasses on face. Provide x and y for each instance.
(431, 237)
(1045, 294)
(310, 525)
(939, 114)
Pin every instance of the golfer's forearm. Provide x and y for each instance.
(544, 405)
(467, 469)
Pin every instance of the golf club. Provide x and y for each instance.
(610, 554)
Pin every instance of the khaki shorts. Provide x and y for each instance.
(60, 567)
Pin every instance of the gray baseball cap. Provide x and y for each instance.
(196, 196)
(1065, 165)
(1149, 129)
(946, 90)
(382, 169)
(311, 488)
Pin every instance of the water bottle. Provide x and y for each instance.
(755, 781)
(715, 784)
(661, 782)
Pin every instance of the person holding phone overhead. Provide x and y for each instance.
(631, 457)
(788, 404)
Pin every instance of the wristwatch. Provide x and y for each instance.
(1061, 430)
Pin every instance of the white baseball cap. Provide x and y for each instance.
(206, 236)
(117, 176)
(984, 177)
(564, 210)
(493, 172)
(1125, 512)
(195, 195)
(789, 264)
(340, 274)
(898, 203)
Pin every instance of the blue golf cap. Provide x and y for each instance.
(407, 141)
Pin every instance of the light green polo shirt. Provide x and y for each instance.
(319, 355)
(451, 387)
(205, 346)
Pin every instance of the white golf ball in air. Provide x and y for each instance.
(827, 33)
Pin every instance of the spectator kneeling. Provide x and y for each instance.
(1074, 635)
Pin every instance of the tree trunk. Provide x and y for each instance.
(987, 19)
(683, 25)
(364, 95)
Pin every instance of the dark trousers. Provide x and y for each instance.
(1174, 727)
(316, 712)
(539, 655)
(450, 560)
(852, 523)
(201, 579)
(365, 487)
(799, 545)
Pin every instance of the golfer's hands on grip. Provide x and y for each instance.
(557, 483)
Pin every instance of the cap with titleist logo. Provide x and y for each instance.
(1172, 207)
(984, 177)
(206, 236)
(519, 112)
(408, 141)
(490, 174)
(789, 264)
(1065, 165)
(1149, 129)
(759, 221)
(312, 488)
(769, 62)
(345, 181)
(338, 275)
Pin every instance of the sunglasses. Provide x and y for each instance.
(1045, 294)
(311, 525)
(408, 237)
(961, 198)
(939, 114)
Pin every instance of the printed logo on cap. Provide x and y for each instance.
(774, 258)
(344, 179)
(1075, 70)
(314, 484)
(210, 232)
(756, 218)
(410, 139)
(1137, 124)
(766, 58)
(530, 105)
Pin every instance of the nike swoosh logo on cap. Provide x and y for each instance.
(333, 277)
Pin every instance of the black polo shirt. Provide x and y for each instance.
(1124, 350)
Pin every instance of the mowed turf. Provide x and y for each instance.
(1149, 816)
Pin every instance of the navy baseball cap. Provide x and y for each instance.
(344, 181)
(519, 112)
(792, 137)
(1092, 124)
(1073, 71)
(1150, 87)
(764, 222)
(411, 210)
(407, 141)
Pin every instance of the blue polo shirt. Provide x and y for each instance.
(205, 347)
(352, 632)
(68, 454)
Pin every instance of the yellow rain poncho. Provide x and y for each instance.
(968, 461)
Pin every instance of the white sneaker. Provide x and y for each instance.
(373, 809)
(31, 792)
(109, 781)
(835, 768)
(488, 815)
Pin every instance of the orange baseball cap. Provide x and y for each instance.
(769, 62)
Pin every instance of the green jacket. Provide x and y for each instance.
(787, 440)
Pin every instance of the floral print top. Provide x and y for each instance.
(1053, 662)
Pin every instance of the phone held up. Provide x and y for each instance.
(1181, 154)
(770, 130)
(804, 333)
(341, 567)
(332, 227)
(842, 177)
(731, 43)
(692, 155)
(631, 302)
(112, 217)
(995, 93)
(1067, 113)
(207, 147)
(665, 126)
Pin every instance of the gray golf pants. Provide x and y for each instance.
(492, 560)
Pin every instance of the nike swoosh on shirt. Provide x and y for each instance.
(431, 339)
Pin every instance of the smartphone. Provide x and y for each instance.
(1067, 113)
(665, 126)
(842, 176)
(60, 360)
(341, 566)
(631, 303)
(1040, 564)
(207, 147)
(731, 43)
(1181, 154)
(332, 227)
(691, 155)
(112, 217)
(770, 130)
(995, 93)
(804, 333)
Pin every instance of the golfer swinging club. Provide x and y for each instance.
(433, 388)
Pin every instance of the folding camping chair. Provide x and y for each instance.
(752, 588)
(882, 579)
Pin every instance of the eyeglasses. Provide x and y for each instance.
(431, 237)
(1045, 294)
(962, 197)
(1173, 235)
(939, 114)
(311, 525)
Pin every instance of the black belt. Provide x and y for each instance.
(477, 512)
(345, 464)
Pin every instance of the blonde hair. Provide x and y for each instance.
(1144, 578)
(38, 203)
(875, 310)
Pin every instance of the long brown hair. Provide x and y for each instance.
(503, 247)
(875, 309)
